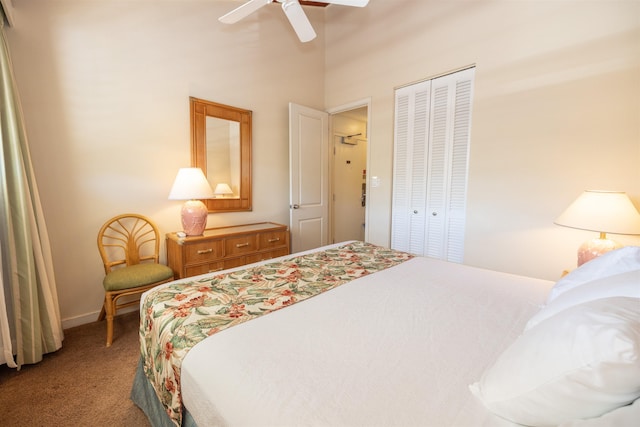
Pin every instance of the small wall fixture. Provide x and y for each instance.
(603, 212)
(191, 185)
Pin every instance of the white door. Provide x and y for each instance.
(309, 177)
(448, 166)
(409, 195)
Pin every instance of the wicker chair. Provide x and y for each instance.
(129, 245)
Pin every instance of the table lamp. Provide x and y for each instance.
(191, 185)
(222, 189)
(603, 212)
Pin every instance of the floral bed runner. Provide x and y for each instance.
(177, 317)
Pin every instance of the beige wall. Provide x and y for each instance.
(556, 110)
(105, 87)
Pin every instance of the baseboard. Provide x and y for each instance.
(83, 319)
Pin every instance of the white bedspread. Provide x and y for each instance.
(396, 348)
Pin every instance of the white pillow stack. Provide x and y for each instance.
(615, 262)
(579, 357)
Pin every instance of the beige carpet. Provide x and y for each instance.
(82, 384)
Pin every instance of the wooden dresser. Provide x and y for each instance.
(226, 247)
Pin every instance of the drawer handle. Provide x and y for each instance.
(242, 245)
(217, 269)
(277, 239)
(205, 251)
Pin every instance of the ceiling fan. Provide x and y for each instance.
(292, 9)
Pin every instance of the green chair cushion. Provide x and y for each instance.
(136, 275)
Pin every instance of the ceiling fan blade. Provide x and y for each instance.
(243, 11)
(355, 3)
(298, 20)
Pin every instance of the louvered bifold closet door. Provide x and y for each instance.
(431, 161)
(448, 165)
(409, 168)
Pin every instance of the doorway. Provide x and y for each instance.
(349, 148)
(328, 152)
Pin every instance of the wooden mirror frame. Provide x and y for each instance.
(199, 110)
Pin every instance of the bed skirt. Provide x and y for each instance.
(144, 396)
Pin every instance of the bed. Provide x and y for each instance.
(354, 334)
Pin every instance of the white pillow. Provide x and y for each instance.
(619, 285)
(624, 416)
(614, 262)
(581, 363)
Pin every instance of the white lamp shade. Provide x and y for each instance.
(190, 184)
(222, 188)
(602, 211)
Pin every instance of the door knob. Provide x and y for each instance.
(296, 206)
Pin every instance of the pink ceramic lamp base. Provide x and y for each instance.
(594, 248)
(194, 217)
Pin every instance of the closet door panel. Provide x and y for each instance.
(459, 164)
(437, 175)
(401, 174)
(409, 177)
(419, 171)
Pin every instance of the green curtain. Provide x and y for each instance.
(29, 310)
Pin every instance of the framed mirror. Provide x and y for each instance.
(221, 147)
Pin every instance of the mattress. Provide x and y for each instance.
(395, 348)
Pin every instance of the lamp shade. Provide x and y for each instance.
(602, 211)
(190, 184)
(223, 189)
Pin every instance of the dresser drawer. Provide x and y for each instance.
(273, 239)
(235, 262)
(240, 245)
(225, 247)
(267, 255)
(195, 270)
(203, 251)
